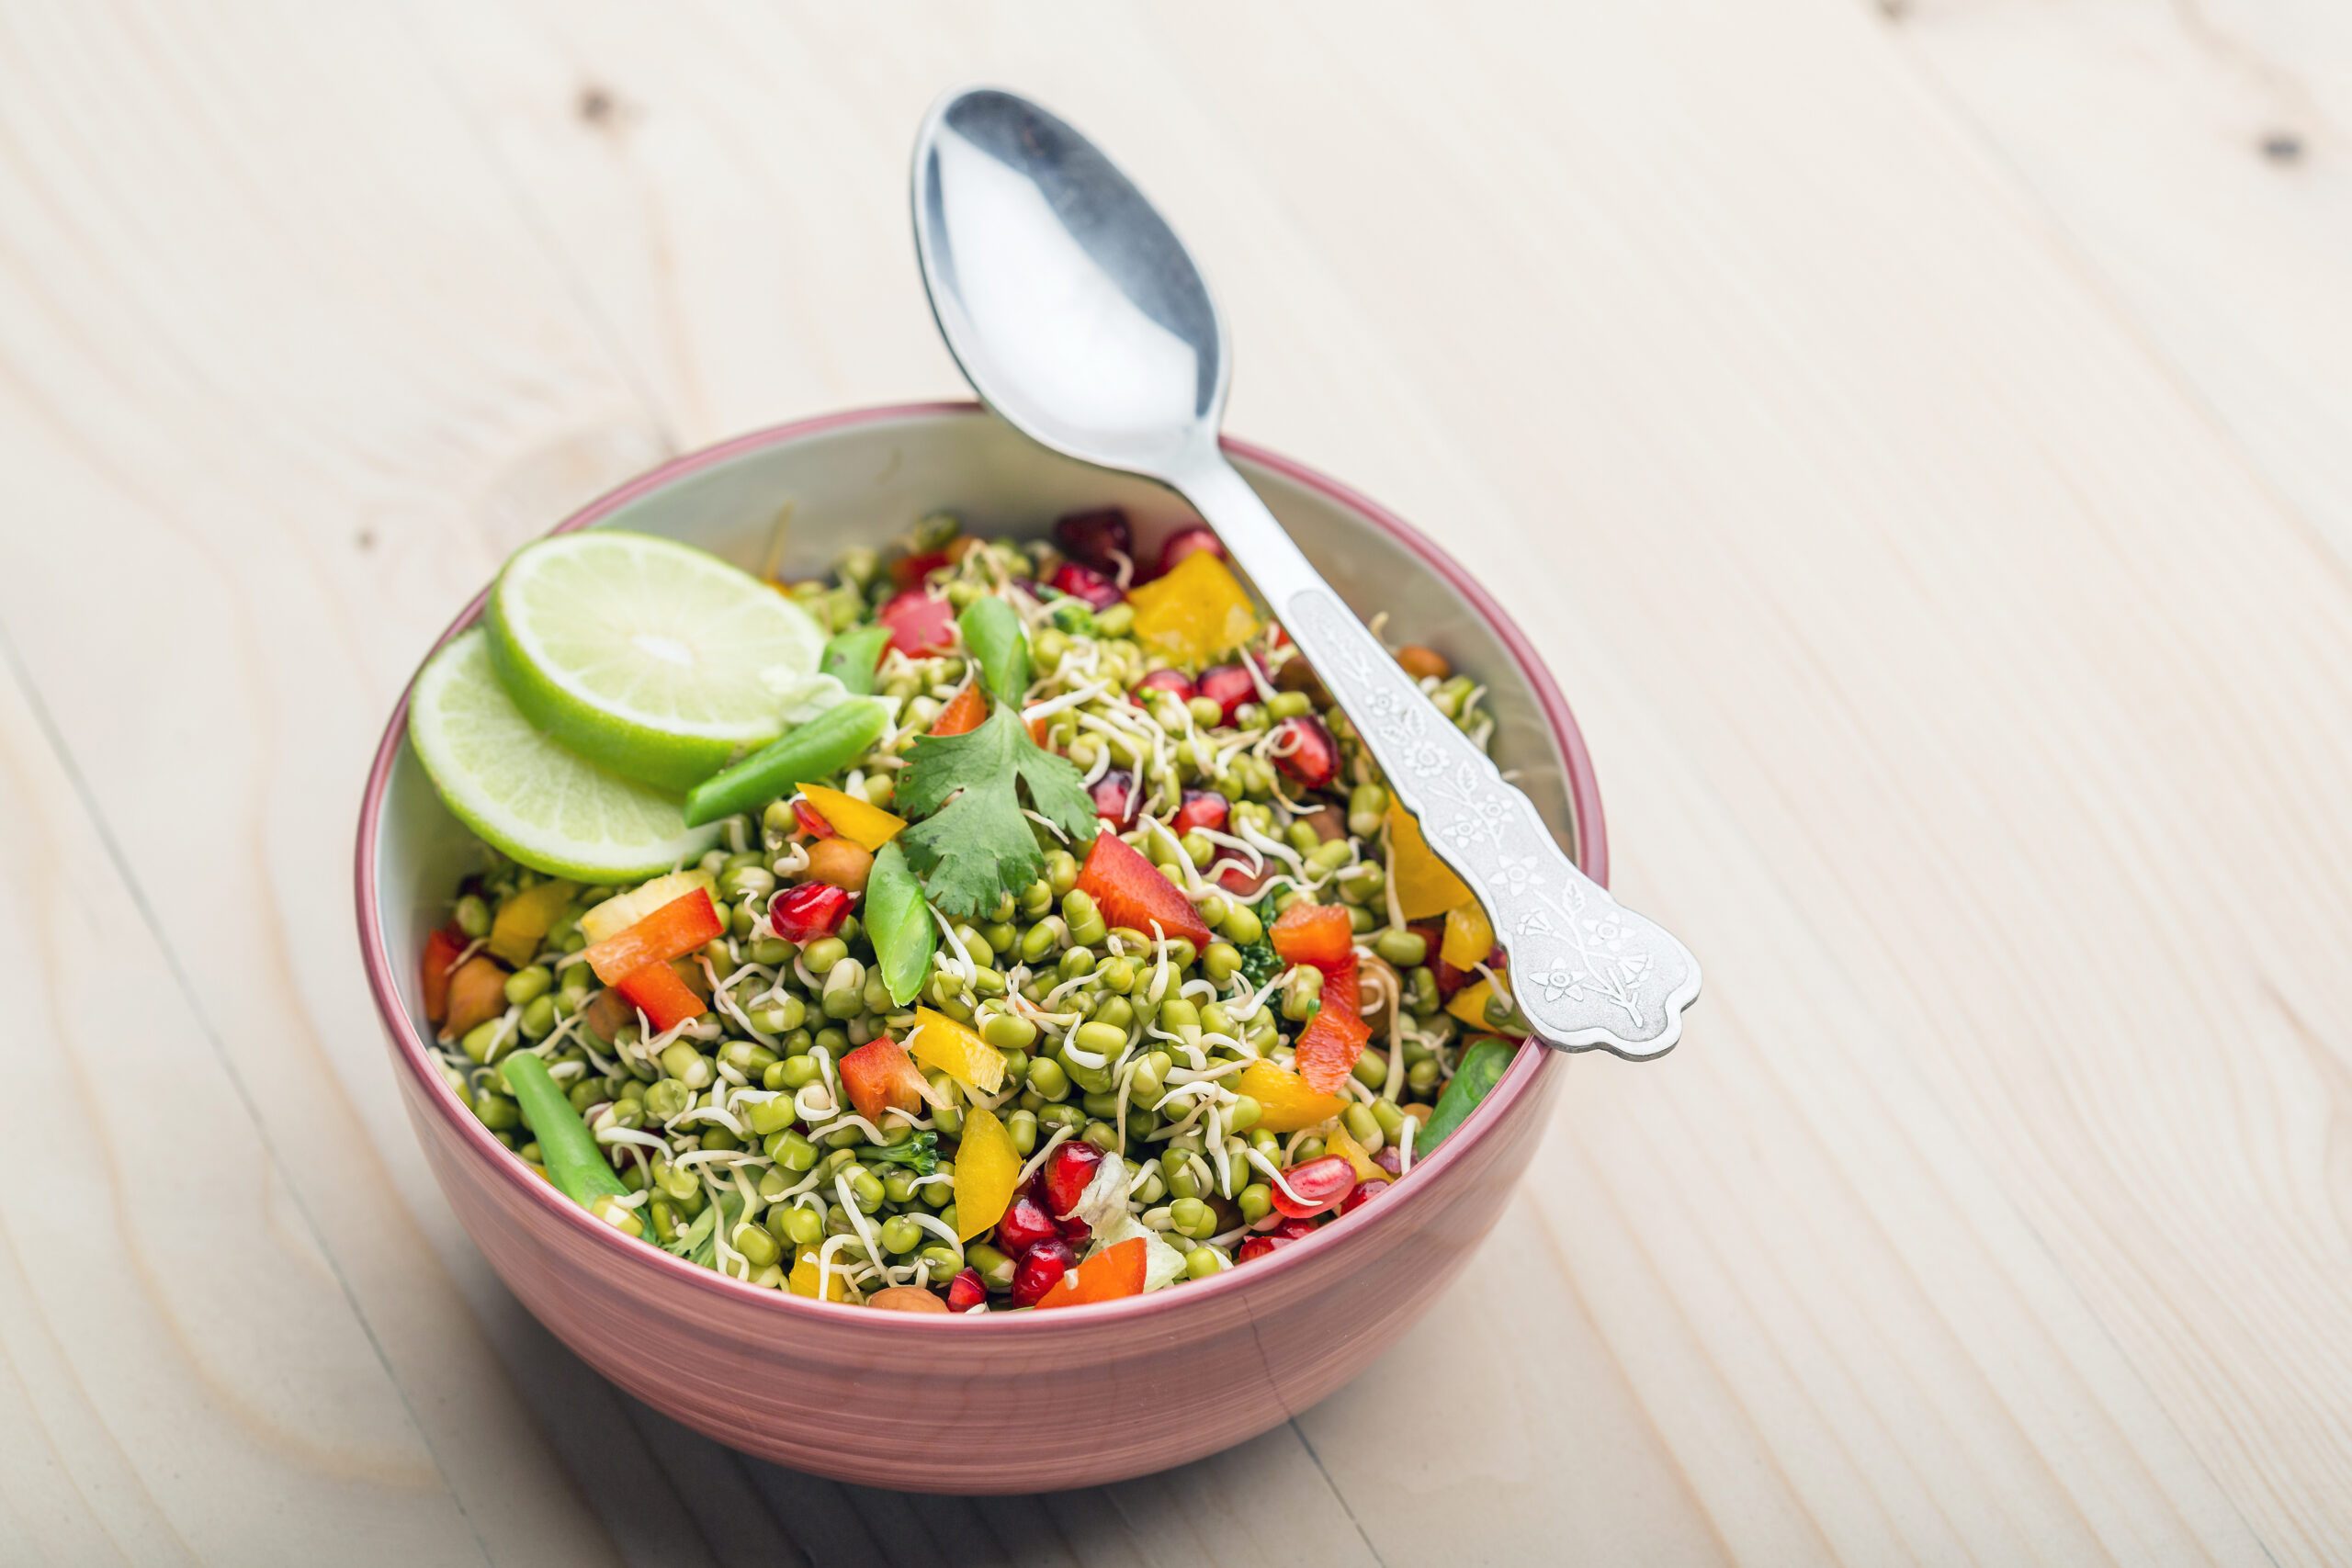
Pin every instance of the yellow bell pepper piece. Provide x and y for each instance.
(939, 1041)
(1469, 1005)
(1343, 1144)
(524, 920)
(1469, 936)
(803, 1280)
(622, 910)
(1195, 612)
(987, 1170)
(868, 825)
(1426, 886)
(1285, 1102)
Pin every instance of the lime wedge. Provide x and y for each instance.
(528, 797)
(652, 659)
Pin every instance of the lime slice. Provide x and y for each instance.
(526, 796)
(652, 659)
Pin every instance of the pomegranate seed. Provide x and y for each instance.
(1025, 1225)
(1042, 1268)
(1167, 681)
(1067, 1170)
(906, 571)
(1096, 537)
(1076, 1232)
(1087, 585)
(1255, 1248)
(809, 911)
(1306, 752)
(1228, 686)
(1389, 1160)
(1319, 1184)
(1202, 808)
(1364, 1194)
(1116, 799)
(1280, 1236)
(812, 821)
(967, 1291)
(1292, 1229)
(1240, 881)
(1186, 542)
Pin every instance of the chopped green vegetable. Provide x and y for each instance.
(899, 924)
(1482, 1066)
(575, 1161)
(974, 845)
(809, 752)
(1260, 962)
(995, 635)
(919, 1154)
(851, 657)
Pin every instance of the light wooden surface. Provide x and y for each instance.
(1916, 432)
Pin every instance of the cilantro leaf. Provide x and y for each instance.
(972, 844)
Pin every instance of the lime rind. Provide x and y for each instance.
(525, 794)
(656, 659)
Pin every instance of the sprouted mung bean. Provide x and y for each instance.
(1095, 960)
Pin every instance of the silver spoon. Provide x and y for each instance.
(1076, 313)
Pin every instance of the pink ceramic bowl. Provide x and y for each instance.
(1014, 1402)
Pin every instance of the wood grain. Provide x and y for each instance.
(1913, 443)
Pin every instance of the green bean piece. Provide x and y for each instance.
(575, 1162)
(851, 657)
(993, 633)
(823, 746)
(898, 923)
(1482, 1066)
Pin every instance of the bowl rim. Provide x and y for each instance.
(419, 1059)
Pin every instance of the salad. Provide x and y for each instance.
(993, 923)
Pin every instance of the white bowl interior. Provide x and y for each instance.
(793, 506)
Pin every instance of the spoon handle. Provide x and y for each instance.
(1585, 970)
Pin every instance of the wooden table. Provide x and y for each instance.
(1920, 435)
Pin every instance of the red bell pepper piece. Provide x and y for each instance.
(1319, 934)
(1130, 892)
(1115, 1272)
(920, 623)
(1328, 1047)
(963, 712)
(658, 993)
(672, 931)
(441, 950)
(879, 1077)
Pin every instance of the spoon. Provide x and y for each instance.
(1077, 315)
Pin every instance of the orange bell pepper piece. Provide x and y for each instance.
(879, 1077)
(1328, 1047)
(1195, 612)
(1130, 891)
(1426, 886)
(672, 931)
(1319, 934)
(1113, 1272)
(963, 712)
(441, 950)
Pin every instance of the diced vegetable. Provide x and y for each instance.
(880, 1076)
(1469, 1004)
(672, 931)
(1484, 1062)
(1468, 936)
(987, 1170)
(862, 823)
(899, 924)
(940, 1042)
(1286, 1103)
(1130, 891)
(656, 991)
(1342, 1143)
(965, 709)
(477, 994)
(1108, 1275)
(441, 950)
(1426, 886)
(1319, 934)
(1196, 612)
(819, 749)
(1328, 1047)
(524, 920)
(622, 910)
(921, 624)
(804, 1279)
(575, 1161)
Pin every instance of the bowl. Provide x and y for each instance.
(1008, 1402)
